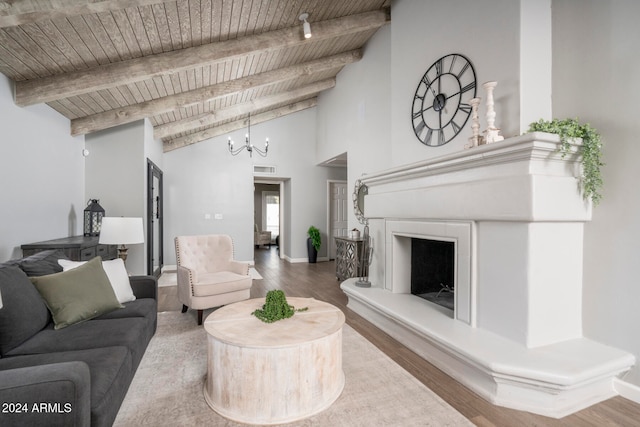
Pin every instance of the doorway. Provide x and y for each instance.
(338, 213)
(268, 210)
(154, 220)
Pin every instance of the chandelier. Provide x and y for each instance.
(247, 144)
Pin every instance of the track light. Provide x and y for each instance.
(306, 27)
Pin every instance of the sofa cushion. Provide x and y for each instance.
(23, 313)
(111, 372)
(116, 272)
(133, 333)
(220, 282)
(77, 295)
(144, 307)
(42, 263)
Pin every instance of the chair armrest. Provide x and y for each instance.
(144, 286)
(239, 267)
(46, 395)
(186, 275)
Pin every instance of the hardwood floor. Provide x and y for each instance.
(319, 281)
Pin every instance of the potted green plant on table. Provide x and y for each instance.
(276, 307)
(591, 151)
(313, 243)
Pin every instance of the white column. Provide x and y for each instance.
(535, 62)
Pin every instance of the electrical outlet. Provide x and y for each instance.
(218, 216)
(207, 216)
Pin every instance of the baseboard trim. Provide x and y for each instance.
(169, 268)
(627, 390)
(300, 260)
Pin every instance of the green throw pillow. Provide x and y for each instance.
(77, 295)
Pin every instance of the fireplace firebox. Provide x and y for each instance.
(433, 271)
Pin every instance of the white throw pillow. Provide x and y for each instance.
(116, 272)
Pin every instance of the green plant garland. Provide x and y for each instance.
(276, 307)
(591, 179)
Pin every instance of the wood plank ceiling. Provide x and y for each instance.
(195, 68)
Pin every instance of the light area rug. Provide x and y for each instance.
(167, 389)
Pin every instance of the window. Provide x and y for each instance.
(271, 212)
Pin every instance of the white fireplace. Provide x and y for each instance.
(515, 214)
(398, 258)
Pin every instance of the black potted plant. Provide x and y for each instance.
(313, 243)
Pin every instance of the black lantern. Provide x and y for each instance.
(93, 214)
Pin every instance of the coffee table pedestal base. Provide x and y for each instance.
(285, 381)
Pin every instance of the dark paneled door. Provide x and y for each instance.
(154, 220)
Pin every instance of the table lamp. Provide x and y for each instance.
(121, 231)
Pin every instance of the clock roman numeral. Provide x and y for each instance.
(465, 107)
(455, 127)
(425, 80)
(468, 87)
(427, 138)
(439, 67)
(440, 136)
(464, 69)
(419, 128)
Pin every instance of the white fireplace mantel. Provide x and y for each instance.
(519, 179)
(519, 342)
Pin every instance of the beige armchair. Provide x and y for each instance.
(261, 237)
(207, 274)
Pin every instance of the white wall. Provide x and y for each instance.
(596, 77)
(368, 114)
(116, 175)
(356, 115)
(204, 179)
(42, 175)
(486, 32)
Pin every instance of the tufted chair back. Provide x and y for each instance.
(208, 276)
(205, 254)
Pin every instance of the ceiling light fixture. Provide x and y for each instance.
(247, 144)
(306, 27)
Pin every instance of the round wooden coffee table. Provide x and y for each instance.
(273, 373)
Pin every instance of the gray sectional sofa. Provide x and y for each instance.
(76, 375)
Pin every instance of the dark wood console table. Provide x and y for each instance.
(77, 248)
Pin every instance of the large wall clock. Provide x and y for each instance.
(440, 107)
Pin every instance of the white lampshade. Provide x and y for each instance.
(121, 231)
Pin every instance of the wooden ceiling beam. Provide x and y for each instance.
(225, 128)
(13, 12)
(169, 103)
(47, 89)
(168, 130)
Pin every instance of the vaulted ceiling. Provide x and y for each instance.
(195, 68)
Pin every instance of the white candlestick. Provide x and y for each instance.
(491, 114)
(475, 123)
(492, 134)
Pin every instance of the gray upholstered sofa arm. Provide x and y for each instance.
(57, 394)
(144, 286)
